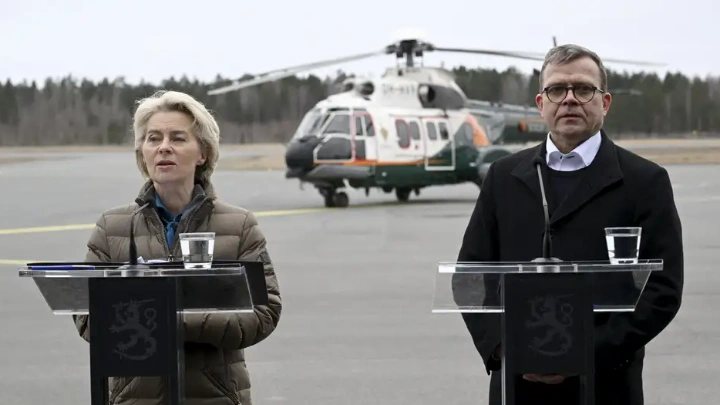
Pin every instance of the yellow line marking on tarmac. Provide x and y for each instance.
(76, 227)
(289, 212)
(16, 262)
(90, 226)
(46, 229)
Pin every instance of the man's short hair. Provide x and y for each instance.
(568, 53)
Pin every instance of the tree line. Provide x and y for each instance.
(78, 111)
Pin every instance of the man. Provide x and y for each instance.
(590, 184)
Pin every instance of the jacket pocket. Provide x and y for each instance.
(220, 385)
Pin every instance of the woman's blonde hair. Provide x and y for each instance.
(204, 125)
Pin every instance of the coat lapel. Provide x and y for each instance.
(603, 172)
(527, 172)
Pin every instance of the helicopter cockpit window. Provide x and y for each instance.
(444, 134)
(363, 123)
(431, 132)
(369, 127)
(339, 124)
(359, 127)
(311, 123)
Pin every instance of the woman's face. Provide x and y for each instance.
(171, 150)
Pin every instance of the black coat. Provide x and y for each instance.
(619, 188)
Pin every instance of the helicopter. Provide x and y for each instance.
(411, 128)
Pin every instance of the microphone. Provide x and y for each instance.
(133, 268)
(546, 242)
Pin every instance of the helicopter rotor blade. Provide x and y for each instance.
(403, 47)
(605, 60)
(278, 74)
(511, 54)
(630, 92)
(541, 56)
(634, 62)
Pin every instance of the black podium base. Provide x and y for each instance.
(547, 328)
(136, 330)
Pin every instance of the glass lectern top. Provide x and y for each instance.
(85, 272)
(555, 267)
(476, 286)
(65, 288)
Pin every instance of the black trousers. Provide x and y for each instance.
(618, 387)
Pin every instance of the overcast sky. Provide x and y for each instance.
(156, 39)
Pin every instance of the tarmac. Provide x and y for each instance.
(357, 287)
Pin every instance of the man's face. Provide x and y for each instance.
(572, 118)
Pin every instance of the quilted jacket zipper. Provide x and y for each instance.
(119, 388)
(219, 385)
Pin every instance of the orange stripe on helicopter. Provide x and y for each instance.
(523, 124)
(375, 162)
(480, 138)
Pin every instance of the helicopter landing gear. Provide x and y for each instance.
(403, 193)
(334, 199)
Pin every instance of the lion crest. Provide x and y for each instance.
(551, 314)
(128, 318)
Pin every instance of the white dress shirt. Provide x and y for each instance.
(579, 158)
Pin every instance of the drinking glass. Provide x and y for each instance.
(623, 244)
(197, 249)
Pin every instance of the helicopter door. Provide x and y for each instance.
(440, 148)
(366, 147)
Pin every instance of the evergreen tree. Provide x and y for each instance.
(71, 111)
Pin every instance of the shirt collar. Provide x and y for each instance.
(164, 212)
(586, 150)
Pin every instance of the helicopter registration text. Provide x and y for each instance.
(403, 89)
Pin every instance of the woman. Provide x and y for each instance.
(176, 147)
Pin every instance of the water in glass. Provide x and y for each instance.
(197, 249)
(623, 244)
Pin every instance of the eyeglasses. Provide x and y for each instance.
(583, 93)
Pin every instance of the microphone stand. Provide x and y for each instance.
(547, 242)
(133, 268)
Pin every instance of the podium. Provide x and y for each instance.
(546, 310)
(136, 314)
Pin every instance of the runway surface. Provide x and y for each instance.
(357, 287)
